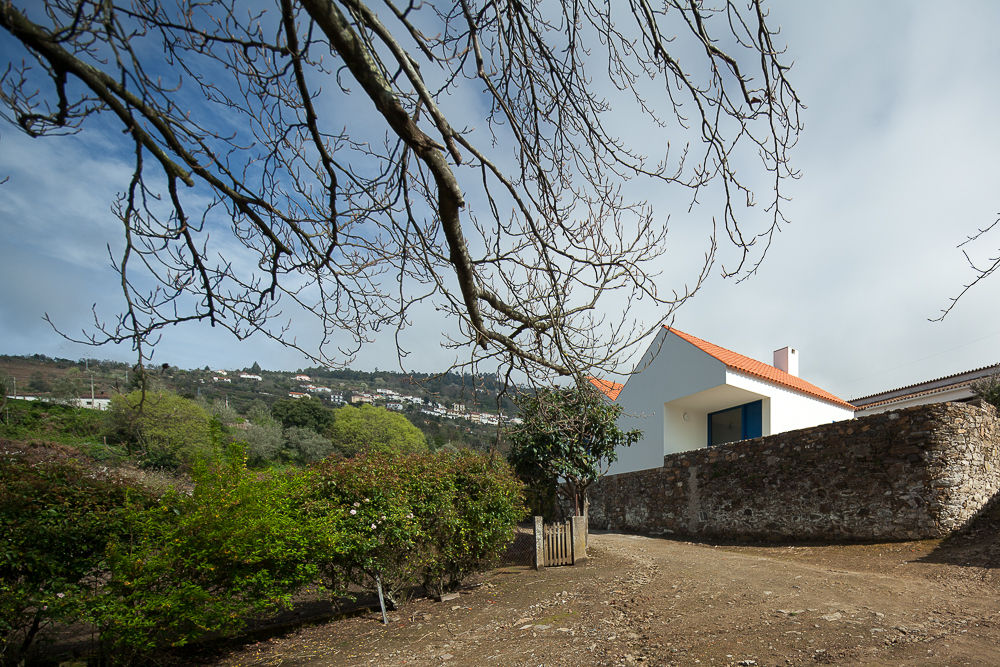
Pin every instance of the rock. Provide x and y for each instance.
(446, 597)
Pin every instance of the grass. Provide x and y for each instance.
(41, 420)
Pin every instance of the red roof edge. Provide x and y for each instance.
(607, 387)
(744, 364)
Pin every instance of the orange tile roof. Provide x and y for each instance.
(738, 362)
(607, 387)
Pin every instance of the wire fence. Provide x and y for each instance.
(521, 550)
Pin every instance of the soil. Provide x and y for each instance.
(672, 602)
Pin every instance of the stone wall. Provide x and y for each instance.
(915, 473)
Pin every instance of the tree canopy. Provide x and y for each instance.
(568, 437)
(163, 428)
(371, 429)
(352, 160)
(306, 412)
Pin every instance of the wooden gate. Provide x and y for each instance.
(558, 544)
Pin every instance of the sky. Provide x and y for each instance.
(898, 166)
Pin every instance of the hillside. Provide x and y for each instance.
(461, 410)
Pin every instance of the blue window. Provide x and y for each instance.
(739, 423)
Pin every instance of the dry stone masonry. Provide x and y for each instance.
(920, 472)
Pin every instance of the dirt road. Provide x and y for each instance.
(656, 601)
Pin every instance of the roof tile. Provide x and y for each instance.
(607, 387)
(744, 364)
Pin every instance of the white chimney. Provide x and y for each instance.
(787, 359)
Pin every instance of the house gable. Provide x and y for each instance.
(682, 380)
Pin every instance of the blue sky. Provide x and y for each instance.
(898, 162)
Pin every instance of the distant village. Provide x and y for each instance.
(387, 398)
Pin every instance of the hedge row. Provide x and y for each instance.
(154, 573)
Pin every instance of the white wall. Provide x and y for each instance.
(670, 369)
(674, 377)
(789, 409)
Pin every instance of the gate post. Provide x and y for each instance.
(578, 529)
(539, 544)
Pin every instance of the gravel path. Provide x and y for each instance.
(656, 601)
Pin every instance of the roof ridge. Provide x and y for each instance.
(751, 366)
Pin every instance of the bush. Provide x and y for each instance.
(263, 443)
(56, 518)
(306, 412)
(988, 389)
(303, 445)
(165, 430)
(200, 564)
(26, 420)
(427, 518)
(370, 429)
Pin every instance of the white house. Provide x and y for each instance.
(687, 393)
(957, 387)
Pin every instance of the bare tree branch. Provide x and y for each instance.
(352, 160)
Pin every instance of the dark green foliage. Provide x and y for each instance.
(152, 574)
(303, 413)
(263, 443)
(56, 518)
(303, 445)
(568, 434)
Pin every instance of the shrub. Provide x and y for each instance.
(367, 429)
(303, 445)
(263, 443)
(988, 389)
(56, 518)
(488, 502)
(200, 564)
(166, 430)
(303, 413)
(24, 420)
(420, 518)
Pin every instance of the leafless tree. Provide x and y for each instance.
(352, 159)
(981, 270)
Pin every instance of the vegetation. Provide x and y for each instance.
(368, 428)
(57, 518)
(306, 412)
(162, 428)
(988, 389)
(152, 572)
(52, 422)
(239, 545)
(37, 374)
(428, 519)
(567, 439)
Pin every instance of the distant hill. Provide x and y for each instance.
(473, 395)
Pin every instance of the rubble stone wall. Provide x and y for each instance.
(919, 472)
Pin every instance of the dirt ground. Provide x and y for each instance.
(672, 602)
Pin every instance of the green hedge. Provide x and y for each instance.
(57, 518)
(151, 574)
(426, 519)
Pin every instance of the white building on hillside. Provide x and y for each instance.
(687, 393)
